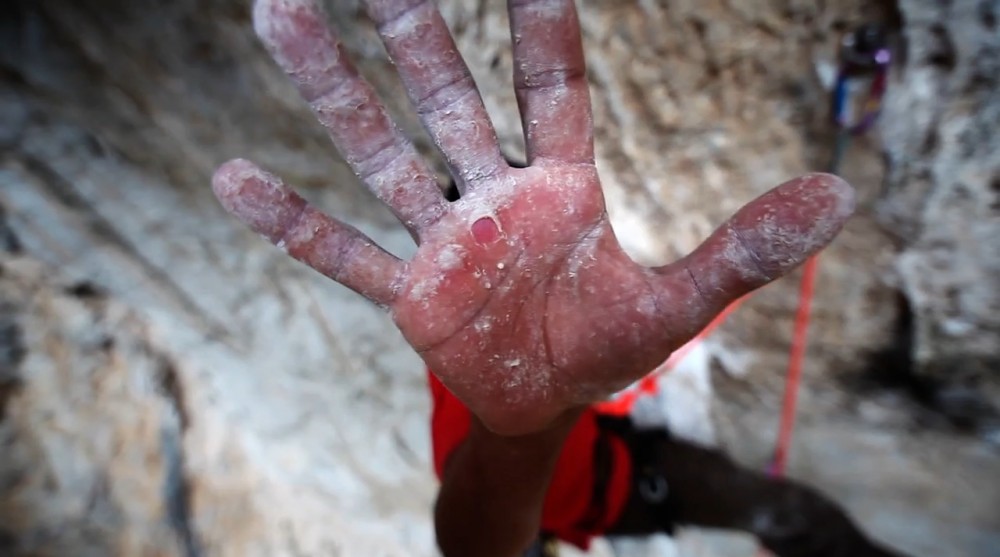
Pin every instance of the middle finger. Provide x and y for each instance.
(440, 85)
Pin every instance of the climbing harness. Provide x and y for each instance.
(653, 489)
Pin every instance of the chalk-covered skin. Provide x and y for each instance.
(519, 296)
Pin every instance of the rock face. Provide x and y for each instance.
(171, 385)
(91, 422)
(943, 201)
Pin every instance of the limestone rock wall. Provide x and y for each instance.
(942, 201)
(90, 424)
(171, 385)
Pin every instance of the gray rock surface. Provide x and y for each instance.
(92, 424)
(246, 406)
(943, 201)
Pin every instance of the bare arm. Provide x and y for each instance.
(519, 296)
(490, 504)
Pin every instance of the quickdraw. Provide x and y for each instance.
(864, 55)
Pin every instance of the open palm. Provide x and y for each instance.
(519, 296)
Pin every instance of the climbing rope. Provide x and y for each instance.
(864, 55)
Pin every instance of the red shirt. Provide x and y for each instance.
(568, 499)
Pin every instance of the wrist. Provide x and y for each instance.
(494, 488)
(546, 439)
(520, 465)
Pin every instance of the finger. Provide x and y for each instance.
(550, 80)
(300, 41)
(333, 248)
(765, 240)
(440, 86)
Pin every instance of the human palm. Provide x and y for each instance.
(519, 297)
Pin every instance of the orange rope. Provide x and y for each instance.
(794, 374)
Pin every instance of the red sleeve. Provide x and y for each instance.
(567, 503)
(568, 499)
(450, 422)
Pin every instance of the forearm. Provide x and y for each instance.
(490, 503)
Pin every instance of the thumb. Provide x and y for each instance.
(765, 240)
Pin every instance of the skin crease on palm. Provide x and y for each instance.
(519, 296)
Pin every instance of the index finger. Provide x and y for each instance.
(550, 80)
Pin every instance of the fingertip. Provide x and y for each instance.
(284, 26)
(222, 177)
(845, 192)
(229, 179)
(256, 197)
(268, 13)
(262, 16)
(832, 192)
(794, 221)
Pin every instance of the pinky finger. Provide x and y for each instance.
(272, 209)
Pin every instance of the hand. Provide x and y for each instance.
(519, 296)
